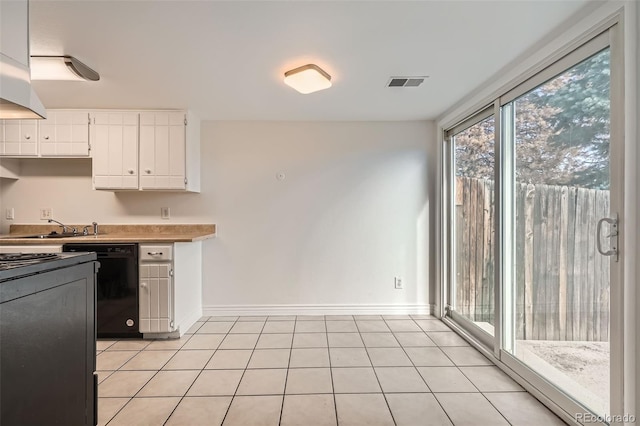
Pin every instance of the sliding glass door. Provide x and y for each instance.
(534, 193)
(559, 304)
(473, 295)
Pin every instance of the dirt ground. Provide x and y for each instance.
(584, 363)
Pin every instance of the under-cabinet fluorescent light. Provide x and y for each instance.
(61, 68)
(307, 79)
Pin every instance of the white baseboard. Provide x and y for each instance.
(214, 310)
(186, 324)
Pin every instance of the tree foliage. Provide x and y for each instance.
(561, 132)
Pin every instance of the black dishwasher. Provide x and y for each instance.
(116, 288)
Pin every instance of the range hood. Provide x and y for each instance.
(17, 98)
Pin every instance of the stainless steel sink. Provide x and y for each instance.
(52, 235)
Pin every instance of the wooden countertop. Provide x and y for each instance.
(111, 234)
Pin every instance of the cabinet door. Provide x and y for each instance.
(162, 150)
(19, 138)
(64, 134)
(114, 150)
(155, 298)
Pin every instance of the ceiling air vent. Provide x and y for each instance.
(406, 81)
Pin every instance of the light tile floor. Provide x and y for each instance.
(309, 370)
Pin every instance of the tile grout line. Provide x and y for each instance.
(217, 349)
(480, 392)
(407, 355)
(462, 372)
(496, 408)
(131, 398)
(376, 374)
(333, 387)
(126, 403)
(245, 369)
(203, 367)
(286, 378)
(418, 371)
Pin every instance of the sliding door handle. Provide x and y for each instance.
(613, 235)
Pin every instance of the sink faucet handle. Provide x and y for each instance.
(85, 230)
(95, 228)
(64, 227)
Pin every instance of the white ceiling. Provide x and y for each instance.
(226, 60)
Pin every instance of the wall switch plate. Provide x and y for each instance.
(10, 214)
(165, 212)
(46, 213)
(398, 284)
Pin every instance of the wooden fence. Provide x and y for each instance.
(562, 283)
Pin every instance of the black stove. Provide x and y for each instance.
(14, 265)
(16, 260)
(47, 335)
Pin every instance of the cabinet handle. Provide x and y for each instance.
(143, 285)
(46, 138)
(27, 137)
(147, 171)
(130, 171)
(155, 253)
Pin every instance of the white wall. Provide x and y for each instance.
(354, 210)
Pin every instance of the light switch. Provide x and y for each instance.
(10, 214)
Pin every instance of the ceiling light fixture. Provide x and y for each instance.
(307, 79)
(61, 68)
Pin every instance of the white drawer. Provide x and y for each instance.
(156, 252)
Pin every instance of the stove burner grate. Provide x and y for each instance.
(19, 257)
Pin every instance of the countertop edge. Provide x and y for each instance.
(17, 240)
(112, 233)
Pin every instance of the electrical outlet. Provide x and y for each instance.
(10, 214)
(398, 284)
(46, 213)
(165, 212)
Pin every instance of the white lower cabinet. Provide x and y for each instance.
(156, 289)
(170, 290)
(156, 298)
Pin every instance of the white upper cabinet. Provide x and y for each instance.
(114, 137)
(19, 138)
(64, 134)
(145, 150)
(163, 150)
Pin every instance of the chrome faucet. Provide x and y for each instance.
(65, 228)
(85, 230)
